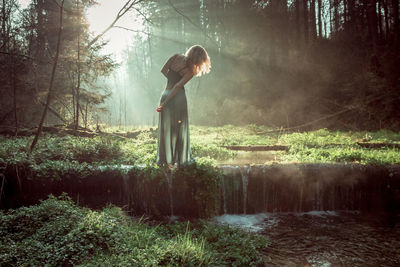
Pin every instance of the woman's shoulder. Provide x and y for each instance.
(179, 57)
(178, 63)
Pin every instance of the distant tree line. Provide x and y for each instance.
(283, 63)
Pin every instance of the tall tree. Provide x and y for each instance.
(372, 23)
(306, 21)
(297, 20)
(386, 15)
(320, 32)
(313, 22)
(336, 15)
(78, 63)
(53, 73)
(396, 19)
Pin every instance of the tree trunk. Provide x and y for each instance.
(73, 102)
(395, 7)
(372, 24)
(320, 33)
(313, 20)
(380, 28)
(297, 21)
(386, 14)
(53, 74)
(362, 16)
(14, 86)
(86, 114)
(330, 18)
(3, 23)
(352, 18)
(78, 86)
(305, 15)
(336, 15)
(284, 37)
(40, 48)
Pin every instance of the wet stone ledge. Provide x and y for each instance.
(240, 190)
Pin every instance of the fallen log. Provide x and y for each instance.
(257, 148)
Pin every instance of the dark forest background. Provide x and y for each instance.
(281, 63)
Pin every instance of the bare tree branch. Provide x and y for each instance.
(26, 56)
(152, 35)
(127, 7)
(194, 24)
(143, 15)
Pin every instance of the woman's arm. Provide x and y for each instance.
(178, 86)
(167, 65)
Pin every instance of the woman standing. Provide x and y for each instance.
(173, 125)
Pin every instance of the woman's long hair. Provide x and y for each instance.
(198, 60)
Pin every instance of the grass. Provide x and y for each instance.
(57, 232)
(349, 154)
(207, 142)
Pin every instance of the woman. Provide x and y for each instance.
(173, 125)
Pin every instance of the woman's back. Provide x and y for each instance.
(179, 64)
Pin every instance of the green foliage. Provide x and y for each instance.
(317, 138)
(57, 169)
(57, 232)
(350, 154)
(235, 247)
(200, 181)
(77, 153)
(232, 135)
(212, 151)
(95, 149)
(141, 150)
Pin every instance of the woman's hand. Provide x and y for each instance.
(160, 108)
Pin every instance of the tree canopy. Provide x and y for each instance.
(282, 63)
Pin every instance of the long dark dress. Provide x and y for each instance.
(173, 126)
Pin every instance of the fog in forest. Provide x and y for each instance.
(280, 63)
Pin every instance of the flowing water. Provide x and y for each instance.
(286, 202)
(322, 238)
(316, 237)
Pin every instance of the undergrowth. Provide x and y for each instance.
(57, 232)
(206, 142)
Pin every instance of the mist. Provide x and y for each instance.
(283, 64)
(268, 66)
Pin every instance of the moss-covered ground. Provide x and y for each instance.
(208, 142)
(59, 233)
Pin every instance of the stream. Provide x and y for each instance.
(323, 238)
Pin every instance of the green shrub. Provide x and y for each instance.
(205, 142)
(233, 247)
(349, 154)
(57, 232)
(212, 151)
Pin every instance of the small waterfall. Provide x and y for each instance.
(222, 184)
(303, 188)
(125, 196)
(265, 192)
(231, 190)
(245, 183)
(249, 190)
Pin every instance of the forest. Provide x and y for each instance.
(294, 152)
(309, 64)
